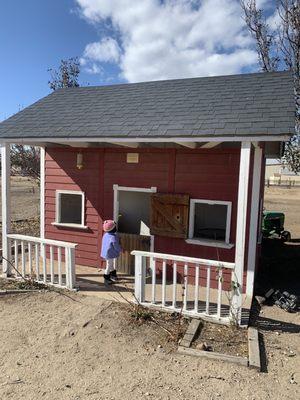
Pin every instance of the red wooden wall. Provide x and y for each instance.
(61, 173)
(204, 174)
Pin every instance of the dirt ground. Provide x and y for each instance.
(287, 201)
(222, 339)
(25, 198)
(55, 346)
(68, 346)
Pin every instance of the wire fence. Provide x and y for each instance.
(285, 183)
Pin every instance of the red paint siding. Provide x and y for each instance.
(203, 174)
(61, 173)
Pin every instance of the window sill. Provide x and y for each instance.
(210, 243)
(66, 225)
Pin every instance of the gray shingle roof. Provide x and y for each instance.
(236, 105)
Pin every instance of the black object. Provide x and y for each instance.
(107, 280)
(273, 226)
(286, 301)
(113, 276)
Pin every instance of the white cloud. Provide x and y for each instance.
(106, 50)
(93, 68)
(170, 38)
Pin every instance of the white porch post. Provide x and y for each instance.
(6, 212)
(42, 192)
(254, 218)
(237, 278)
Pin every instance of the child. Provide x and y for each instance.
(110, 250)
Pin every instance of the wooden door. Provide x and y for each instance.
(130, 242)
(169, 215)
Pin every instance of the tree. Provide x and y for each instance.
(25, 160)
(67, 74)
(279, 49)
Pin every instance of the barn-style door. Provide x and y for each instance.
(169, 215)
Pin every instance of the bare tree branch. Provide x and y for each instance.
(279, 49)
(265, 39)
(25, 160)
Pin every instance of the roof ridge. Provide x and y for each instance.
(213, 77)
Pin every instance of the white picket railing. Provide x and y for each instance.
(44, 260)
(183, 296)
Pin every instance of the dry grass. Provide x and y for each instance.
(223, 339)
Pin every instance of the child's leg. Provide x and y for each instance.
(109, 266)
(113, 274)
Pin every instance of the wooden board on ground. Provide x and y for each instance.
(190, 333)
(253, 348)
(212, 355)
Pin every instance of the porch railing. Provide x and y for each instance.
(182, 291)
(44, 260)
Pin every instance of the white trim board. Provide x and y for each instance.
(6, 206)
(193, 202)
(42, 192)
(241, 226)
(117, 188)
(57, 209)
(199, 139)
(254, 218)
(135, 189)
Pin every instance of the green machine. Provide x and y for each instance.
(273, 226)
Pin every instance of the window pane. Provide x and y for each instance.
(70, 208)
(210, 221)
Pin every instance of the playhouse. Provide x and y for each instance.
(178, 164)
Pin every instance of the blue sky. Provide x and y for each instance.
(34, 36)
(117, 41)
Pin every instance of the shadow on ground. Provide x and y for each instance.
(279, 267)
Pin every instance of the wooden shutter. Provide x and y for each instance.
(169, 215)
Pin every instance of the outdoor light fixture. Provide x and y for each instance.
(79, 161)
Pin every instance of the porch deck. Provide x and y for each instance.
(90, 282)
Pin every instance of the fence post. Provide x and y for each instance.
(6, 208)
(139, 285)
(70, 270)
(241, 229)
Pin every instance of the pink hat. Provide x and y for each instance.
(109, 225)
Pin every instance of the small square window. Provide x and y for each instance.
(69, 208)
(210, 220)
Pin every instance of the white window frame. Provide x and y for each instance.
(57, 209)
(210, 242)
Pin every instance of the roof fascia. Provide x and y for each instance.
(64, 140)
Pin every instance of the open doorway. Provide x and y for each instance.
(132, 213)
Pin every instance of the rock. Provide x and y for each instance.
(86, 323)
(203, 346)
(294, 378)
